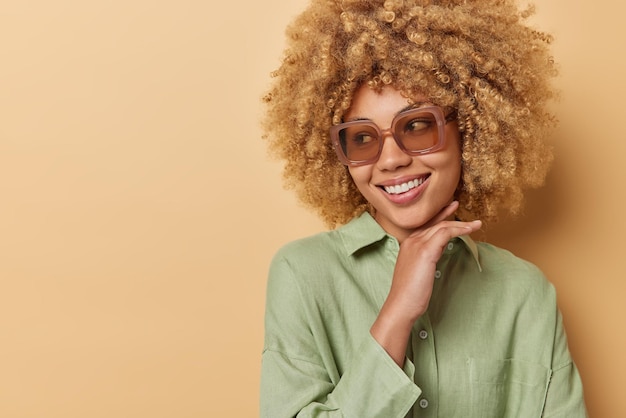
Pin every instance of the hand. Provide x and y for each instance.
(413, 279)
(417, 260)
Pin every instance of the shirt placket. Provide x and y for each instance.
(424, 351)
(425, 361)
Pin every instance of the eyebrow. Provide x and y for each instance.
(415, 105)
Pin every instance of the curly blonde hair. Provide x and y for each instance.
(477, 56)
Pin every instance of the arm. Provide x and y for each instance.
(299, 376)
(564, 398)
(413, 277)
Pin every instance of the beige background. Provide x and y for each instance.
(139, 211)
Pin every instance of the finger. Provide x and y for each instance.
(474, 225)
(445, 231)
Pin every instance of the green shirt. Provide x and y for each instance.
(491, 344)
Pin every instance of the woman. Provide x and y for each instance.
(407, 124)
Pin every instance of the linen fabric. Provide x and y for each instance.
(491, 344)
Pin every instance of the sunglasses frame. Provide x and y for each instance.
(440, 118)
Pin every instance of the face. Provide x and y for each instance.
(406, 191)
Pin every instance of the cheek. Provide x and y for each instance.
(361, 177)
(452, 157)
(358, 174)
(446, 162)
(453, 170)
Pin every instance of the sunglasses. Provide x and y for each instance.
(417, 131)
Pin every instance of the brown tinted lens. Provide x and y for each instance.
(359, 142)
(417, 131)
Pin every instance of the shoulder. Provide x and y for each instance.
(330, 248)
(310, 250)
(308, 263)
(512, 272)
(329, 261)
(498, 260)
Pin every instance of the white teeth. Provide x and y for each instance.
(404, 187)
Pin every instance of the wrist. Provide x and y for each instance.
(392, 332)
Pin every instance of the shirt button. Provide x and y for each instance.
(437, 274)
(423, 403)
(423, 334)
(450, 246)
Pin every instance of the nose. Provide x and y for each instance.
(391, 156)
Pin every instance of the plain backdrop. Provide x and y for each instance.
(139, 210)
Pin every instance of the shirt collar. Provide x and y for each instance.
(364, 231)
(361, 232)
(470, 244)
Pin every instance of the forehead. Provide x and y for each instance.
(379, 105)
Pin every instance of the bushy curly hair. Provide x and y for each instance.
(478, 56)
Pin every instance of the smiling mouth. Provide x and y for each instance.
(404, 187)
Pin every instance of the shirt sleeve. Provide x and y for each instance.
(298, 377)
(564, 397)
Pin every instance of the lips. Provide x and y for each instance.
(405, 186)
(404, 191)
